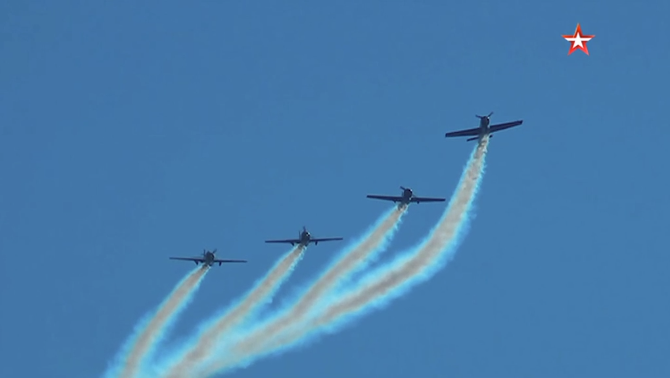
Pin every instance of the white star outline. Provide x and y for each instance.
(577, 41)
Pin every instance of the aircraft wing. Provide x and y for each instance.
(427, 199)
(229, 261)
(385, 198)
(287, 241)
(324, 239)
(468, 132)
(503, 126)
(196, 259)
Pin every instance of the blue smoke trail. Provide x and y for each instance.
(351, 259)
(239, 313)
(371, 252)
(380, 287)
(375, 253)
(151, 330)
(444, 256)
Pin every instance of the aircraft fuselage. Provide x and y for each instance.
(484, 124)
(305, 237)
(407, 195)
(209, 258)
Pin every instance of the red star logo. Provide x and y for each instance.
(578, 41)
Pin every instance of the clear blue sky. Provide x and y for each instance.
(129, 133)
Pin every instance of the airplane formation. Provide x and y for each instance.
(407, 196)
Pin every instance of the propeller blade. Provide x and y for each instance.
(490, 114)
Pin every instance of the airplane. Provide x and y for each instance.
(207, 258)
(304, 238)
(406, 198)
(483, 129)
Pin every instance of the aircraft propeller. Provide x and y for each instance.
(488, 116)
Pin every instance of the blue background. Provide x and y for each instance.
(133, 132)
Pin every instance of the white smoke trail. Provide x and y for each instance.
(351, 261)
(379, 288)
(151, 335)
(209, 336)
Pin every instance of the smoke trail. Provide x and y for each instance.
(152, 330)
(357, 258)
(380, 287)
(209, 336)
(353, 258)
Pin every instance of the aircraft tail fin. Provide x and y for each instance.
(475, 138)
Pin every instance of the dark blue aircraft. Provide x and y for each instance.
(484, 128)
(304, 238)
(207, 258)
(406, 198)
